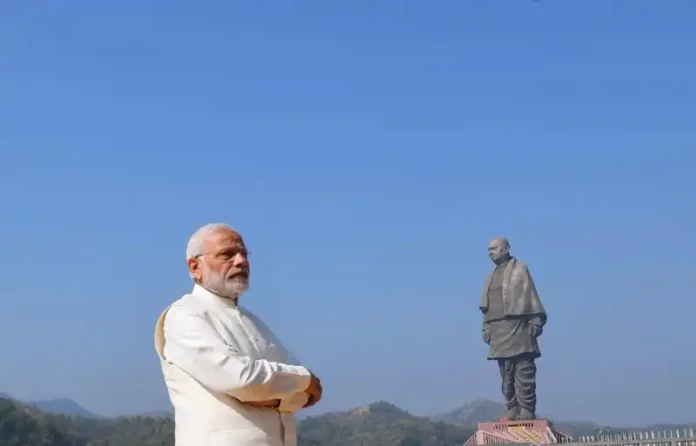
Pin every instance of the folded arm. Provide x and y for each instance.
(192, 344)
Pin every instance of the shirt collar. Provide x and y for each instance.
(205, 294)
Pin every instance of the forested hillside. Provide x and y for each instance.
(375, 425)
(22, 424)
(378, 424)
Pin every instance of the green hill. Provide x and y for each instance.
(57, 405)
(377, 424)
(22, 425)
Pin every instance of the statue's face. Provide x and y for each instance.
(498, 250)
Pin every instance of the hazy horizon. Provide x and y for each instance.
(304, 414)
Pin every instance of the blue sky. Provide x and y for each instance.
(367, 151)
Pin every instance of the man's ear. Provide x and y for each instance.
(194, 267)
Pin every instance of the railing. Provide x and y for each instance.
(674, 437)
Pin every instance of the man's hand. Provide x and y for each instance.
(487, 336)
(313, 391)
(535, 330)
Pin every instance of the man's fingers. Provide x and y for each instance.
(310, 401)
(314, 391)
(314, 395)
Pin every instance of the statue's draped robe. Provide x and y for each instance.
(510, 304)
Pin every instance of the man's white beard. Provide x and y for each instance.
(217, 284)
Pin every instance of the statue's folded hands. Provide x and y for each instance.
(487, 336)
(535, 330)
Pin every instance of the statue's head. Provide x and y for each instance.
(499, 250)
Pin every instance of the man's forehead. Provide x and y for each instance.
(224, 237)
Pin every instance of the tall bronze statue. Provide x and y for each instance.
(513, 319)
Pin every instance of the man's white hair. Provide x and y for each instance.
(197, 240)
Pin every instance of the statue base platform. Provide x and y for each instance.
(523, 431)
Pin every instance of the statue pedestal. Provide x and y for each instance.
(527, 431)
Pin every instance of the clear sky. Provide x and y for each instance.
(367, 151)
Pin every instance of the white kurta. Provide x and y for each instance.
(216, 355)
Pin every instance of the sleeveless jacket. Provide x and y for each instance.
(214, 357)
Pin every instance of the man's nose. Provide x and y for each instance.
(240, 260)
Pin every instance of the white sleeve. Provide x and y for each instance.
(192, 344)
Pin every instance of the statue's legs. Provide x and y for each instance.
(525, 386)
(518, 375)
(507, 376)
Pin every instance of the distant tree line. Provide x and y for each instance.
(378, 424)
(382, 424)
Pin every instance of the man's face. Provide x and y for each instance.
(223, 268)
(498, 250)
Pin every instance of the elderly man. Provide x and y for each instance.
(513, 319)
(230, 380)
